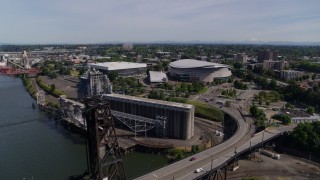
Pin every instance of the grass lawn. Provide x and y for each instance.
(206, 111)
(74, 73)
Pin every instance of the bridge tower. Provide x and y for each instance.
(104, 154)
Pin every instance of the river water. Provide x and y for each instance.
(42, 149)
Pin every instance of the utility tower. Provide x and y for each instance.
(104, 154)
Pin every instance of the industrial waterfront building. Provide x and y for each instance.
(93, 83)
(160, 119)
(166, 119)
(122, 68)
(195, 70)
(72, 112)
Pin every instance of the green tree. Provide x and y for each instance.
(289, 105)
(228, 104)
(311, 110)
(53, 87)
(267, 103)
(254, 110)
(273, 84)
(113, 76)
(286, 119)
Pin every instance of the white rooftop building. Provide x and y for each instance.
(194, 70)
(157, 77)
(122, 68)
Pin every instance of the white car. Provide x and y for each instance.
(198, 170)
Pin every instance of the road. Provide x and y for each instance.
(183, 168)
(250, 142)
(218, 155)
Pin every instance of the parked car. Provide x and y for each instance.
(192, 159)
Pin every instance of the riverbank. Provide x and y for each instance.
(33, 85)
(43, 148)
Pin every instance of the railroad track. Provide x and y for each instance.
(207, 133)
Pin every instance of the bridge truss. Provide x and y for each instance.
(140, 124)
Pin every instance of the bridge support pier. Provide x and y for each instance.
(235, 165)
(218, 174)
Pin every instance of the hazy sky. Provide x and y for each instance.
(97, 21)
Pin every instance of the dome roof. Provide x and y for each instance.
(192, 63)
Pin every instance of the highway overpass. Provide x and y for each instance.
(217, 156)
(182, 168)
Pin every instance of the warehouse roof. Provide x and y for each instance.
(295, 113)
(109, 66)
(192, 63)
(157, 77)
(152, 101)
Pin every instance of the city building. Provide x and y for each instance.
(157, 77)
(122, 68)
(161, 54)
(267, 55)
(3, 59)
(127, 47)
(275, 65)
(254, 66)
(93, 83)
(194, 70)
(241, 58)
(178, 118)
(290, 74)
(25, 60)
(298, 116)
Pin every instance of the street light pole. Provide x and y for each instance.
(262, 139)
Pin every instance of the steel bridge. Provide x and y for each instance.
(13, 68)
(72, 111)
(140, 124)
(220, 171)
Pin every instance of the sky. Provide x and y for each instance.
(105, 21)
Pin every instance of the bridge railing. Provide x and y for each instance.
(204, 175)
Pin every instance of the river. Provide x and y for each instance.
(42, 149)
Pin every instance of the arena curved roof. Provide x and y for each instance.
(192, 63)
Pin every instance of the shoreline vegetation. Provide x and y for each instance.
(29, 86)
(27, 82)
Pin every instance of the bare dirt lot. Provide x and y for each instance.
(64, 84)
(266, 168)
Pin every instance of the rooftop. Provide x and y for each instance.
(157, 76)
(192, 63)
(152, 101)
(109, 66)
(295, 113)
